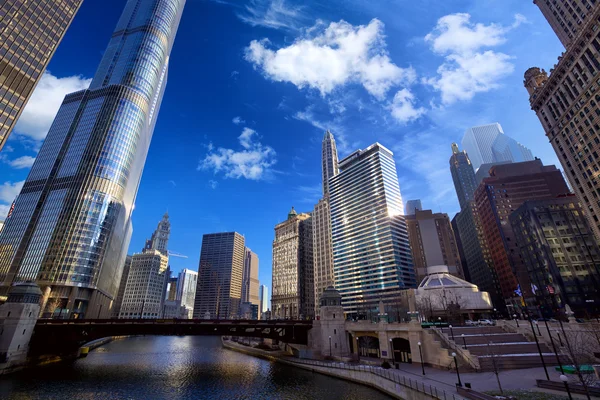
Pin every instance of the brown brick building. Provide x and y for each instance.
(509, 186)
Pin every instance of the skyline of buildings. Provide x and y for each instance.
(412, 206)
(30, 33)
(71, 224)
(371, 251)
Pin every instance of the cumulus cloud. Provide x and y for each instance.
(43, 105)
(333, 57)
(403, 107)
(213, 184)
(238, 120)
(468, 69)
(22, 162)
(254, 161)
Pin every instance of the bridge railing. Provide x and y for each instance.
(464, 354)
(49, 321)
(389, 374)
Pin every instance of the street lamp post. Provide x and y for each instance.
(451, 331)
(495, 314)
(565, 380)
(392, 347)
(464, 341)
(421, 355)
(330, 346)
(457, 373)
(516, 320)
(537, 343)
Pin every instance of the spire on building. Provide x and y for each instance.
(292, 213)
(455, 148)
(329, 159)
(160, 238)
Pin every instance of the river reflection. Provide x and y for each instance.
(171, 367)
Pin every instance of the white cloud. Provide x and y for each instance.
(238, 120)
(403, 107)
(253, 162)
(8, 192)
(335, 126)
(340, 54)
(468, 69)
(276, 14)
(22, 162)
(213, 184)
(45, 102)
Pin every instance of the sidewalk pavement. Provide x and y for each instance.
(516, 379)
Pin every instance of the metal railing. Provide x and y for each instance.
(465, 355)
(388, 374)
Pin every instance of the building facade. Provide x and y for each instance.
(488, 144)
(250, 282)
(509, 186)
(432, 243)
(187, 281)
(219, 289)
(477, 264)
(144, 295)
(71, 224)
(293, 275)
(30, 32)
(371, 251)
(558, 248)
(329, 160)
(566, 102)
(264, 299)
(412, 206)
(116, 310)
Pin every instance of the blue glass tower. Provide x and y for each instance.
(71, 224)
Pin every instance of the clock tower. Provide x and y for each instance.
(160, 238)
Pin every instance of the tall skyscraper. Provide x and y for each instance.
(71, 224)
(144, 295)
(371, 251)
(488, 144)
(321, 223)
(412, 206)
(30, 32)
(250, 278)
(329, 159)
(171, 294)
(432, 243)
(293, 291)
(565, 102)
(219, 289)
(496, 198)
(558, 248)
(476, 259)
(116, 310)
(264, 298)
(160, 237)
(187, 281)
(463, 175)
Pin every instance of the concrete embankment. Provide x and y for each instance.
(386, 381)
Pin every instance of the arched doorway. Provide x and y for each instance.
(368, 346)
(401, 350)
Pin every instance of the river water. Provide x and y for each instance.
(176, 367)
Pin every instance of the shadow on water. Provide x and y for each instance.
(172, 367)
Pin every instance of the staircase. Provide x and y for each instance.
(491, 344)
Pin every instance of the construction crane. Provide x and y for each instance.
(173, 254)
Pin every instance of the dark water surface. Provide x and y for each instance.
(171, 367)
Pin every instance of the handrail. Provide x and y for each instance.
(388, 374)
(464, 354)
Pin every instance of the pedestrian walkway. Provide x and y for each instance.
(519, 379)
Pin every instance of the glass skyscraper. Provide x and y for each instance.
(71, 224)
(371, 252)
(30, 32)
(488, 144)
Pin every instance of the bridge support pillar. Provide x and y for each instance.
(18, 317)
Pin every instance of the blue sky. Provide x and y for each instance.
(253, 84)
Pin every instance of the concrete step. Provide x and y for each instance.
(507, 348)
(485, 339)
(519, 361)
(473, 330)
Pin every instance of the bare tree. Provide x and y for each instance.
(424, 306)
(52, 304)
(580, 350)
